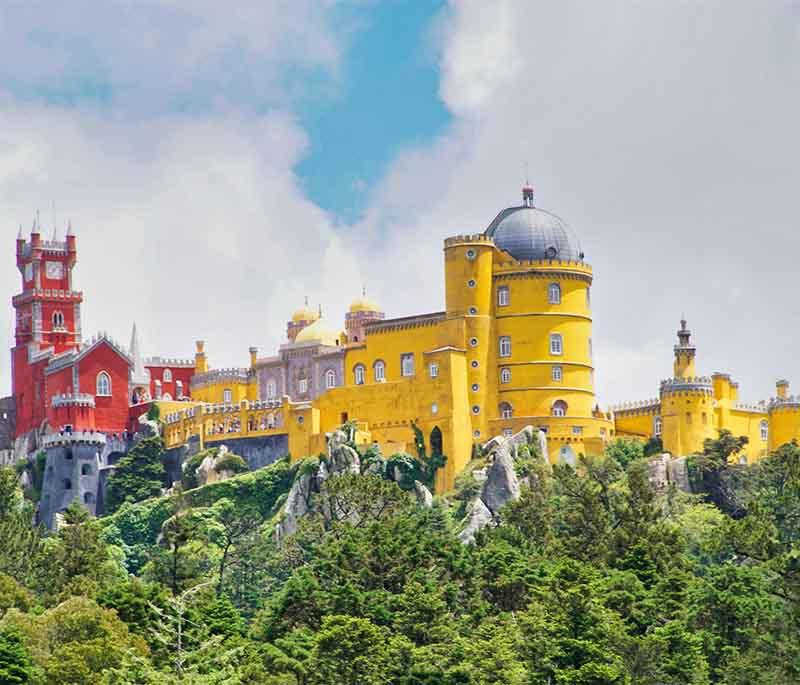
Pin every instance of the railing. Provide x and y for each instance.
(65, 437)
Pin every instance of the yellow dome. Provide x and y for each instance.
(364, 304)
(320, 332)
(305, 313)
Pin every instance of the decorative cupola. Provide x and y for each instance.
(301, 318)
(362, 311)
(684, 353)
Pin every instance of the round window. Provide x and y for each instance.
(476, 434)
(471, 282)
(476, 409)
(470, 254)
(473, 310)
(475, 387)
(300, 419)
(474, 363)
(551, 252)
(473, 342)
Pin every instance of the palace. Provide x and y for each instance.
(511, 346)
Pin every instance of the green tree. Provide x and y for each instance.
(16, 667)
(140, 474)
(624, 451)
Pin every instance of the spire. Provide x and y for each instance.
(69, 228)
(527, 194)
(19, 233)
(139, 374)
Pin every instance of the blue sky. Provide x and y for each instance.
(386, 99)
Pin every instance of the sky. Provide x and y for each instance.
(219, 162)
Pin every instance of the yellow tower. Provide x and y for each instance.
(200, 361)
(687, 401)
(784, 416)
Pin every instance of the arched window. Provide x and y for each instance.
(227, 395)
(86, 469)
(554, 293)
(167, 376)
(330, 379)
(179, 389)
(58, 320)
(503, 296)
(88, 498)
(379, 370)
(559, 408)
(167, 396)
(506, 411)
(433, 369)
(272, 389)
(505, 375)
(158, 389)
(557, 374)
(407, 364)
(271, 421)
(764, 430)
(505, 345)
(359, 374)
(436, 440)
(658, 426)
(556, 344)
(67, 484)
(302, 385)
(103, 384)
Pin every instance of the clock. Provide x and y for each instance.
(54, 270)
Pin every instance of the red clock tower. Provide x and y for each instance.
(48, 320)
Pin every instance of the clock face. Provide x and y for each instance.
(55, 270)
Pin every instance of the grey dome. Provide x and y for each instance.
(530, 233)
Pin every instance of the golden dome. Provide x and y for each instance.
(305, 313)
(320, 332)
(364, 304)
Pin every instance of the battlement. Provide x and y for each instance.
(221, 408)
(638, 407)
(33, 293)
(468, 239)
(405, 322)
(76, 400)
(169, 361)
(693, 384)
(783, 403)
(760, 408)
(201, 380)
(69, 438)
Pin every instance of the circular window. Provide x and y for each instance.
(300, 419)
(473, 310)
(470, 254)
(476, 434)
(475, 387)
(474, 363)
(471, 282)
(551, 252)
(476, 409)
(473, 342)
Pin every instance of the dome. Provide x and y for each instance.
(363, 304)
(305, 313)
(320, 332)
(529, 233)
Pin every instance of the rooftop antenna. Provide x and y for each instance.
(55, 223)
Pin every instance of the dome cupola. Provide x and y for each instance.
(529, 233)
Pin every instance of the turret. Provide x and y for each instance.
(684, 353)
(362, 311)
(253, 357)
(782, 389)
(200, 363)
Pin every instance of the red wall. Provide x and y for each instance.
(179, 373)
(111, 413)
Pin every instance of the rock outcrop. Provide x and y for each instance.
(477, 517)
(664, 471)
(297, 505)
(342, 458)
(424, 496)
(502, 484)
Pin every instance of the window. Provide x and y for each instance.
(473, 342)
(88, 498)
(158, 389)
(559, 408)
(433, 369)
(473, 311)
(508, 432)
(554, 293)
(167, 376)
(471, 282)
(556, 344)
(167, 396)
(506, 412)
(476, 434)
(330, 379)
(505, 346)
(434, 408)
(272, 389)
(227, 395)
(470, 254)
(503, 296)
(764, 430)
(379, 370)
(474, 363)
(67, 484)
(577, 430)
(688, 417)
(657, 426)
(359, 374)
(407, 364)
(86, 469)
(103, 384)
(58, 320)
(505, 375)
(179, 389)
(475, 387)
(476, 409)
(557, 374)
(302, 386)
